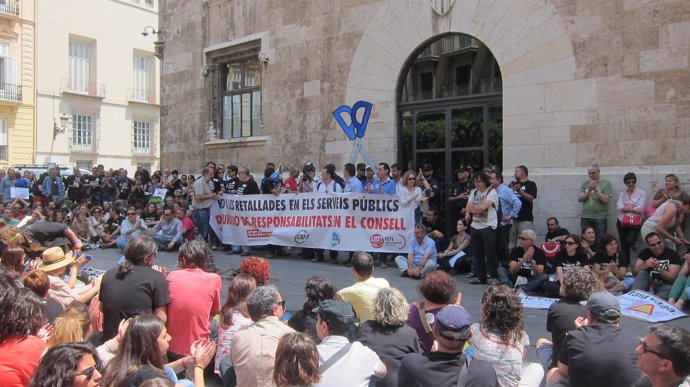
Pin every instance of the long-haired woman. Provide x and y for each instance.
(68, 365)
(234, 314)
(297, 361)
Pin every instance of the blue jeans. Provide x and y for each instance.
(599, 225)
(533, 285)
(202, 218)
(121, 243)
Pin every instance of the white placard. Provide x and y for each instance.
(19, 193)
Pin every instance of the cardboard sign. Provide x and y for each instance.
(19, 193)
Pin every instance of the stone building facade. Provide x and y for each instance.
(582, 81)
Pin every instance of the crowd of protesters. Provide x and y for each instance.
(135, 325)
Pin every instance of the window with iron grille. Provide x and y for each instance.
(84, 164)
(241, 98)
(141, 136)
(82, 130)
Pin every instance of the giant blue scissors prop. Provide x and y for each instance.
(355, 129)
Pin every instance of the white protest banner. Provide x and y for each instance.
(644, 306)
(530, 302)
(349, 222)
(19, 193)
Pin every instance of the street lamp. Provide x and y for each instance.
(64, 123)
(153, 31)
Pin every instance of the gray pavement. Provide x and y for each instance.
(290, 274)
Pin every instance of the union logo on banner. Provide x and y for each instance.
(647, 309)
(441, 7)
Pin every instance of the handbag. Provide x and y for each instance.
(631, 220)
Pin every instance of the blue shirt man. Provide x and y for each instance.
(383, 184)
(421, 258)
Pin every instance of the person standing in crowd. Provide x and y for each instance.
(481, 212)
(510, 208)
(663, 357)
(671, 190)
(421, 258)
(124, 186)
(361, 174)
(631, 205)
(189, 317)
(599, 353)
(6, 185)
(361, 295)
(667, 221)
(328, 184)
(526, 191)
(202, 199)
(254, 347)
(594, 196)
(53, 187)
(246, 186)
(382, 184)
(343, 363)
(656, 267)
(434, 192)
(291, 181)
(133, 288)
(460, 192)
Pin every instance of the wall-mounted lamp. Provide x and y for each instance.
(64, 123)
(153, 31)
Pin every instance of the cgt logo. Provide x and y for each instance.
(376, 241)
(301, 237)
(256, 233)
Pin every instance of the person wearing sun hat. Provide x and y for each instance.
(443, 367)
(54, 262)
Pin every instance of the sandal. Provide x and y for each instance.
(477, 281)
(470, 275)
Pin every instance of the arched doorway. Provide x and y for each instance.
(450, 108)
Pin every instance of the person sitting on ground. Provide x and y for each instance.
(133, 288)
(253, 348)
(611, 265)
(526, 267)
(438, 290)
(38, 281)
(457, 258)
(577, 286)
(12, 263)
(500, 338)
(317, 289)
(588, 239)
(679, 291)
(130, 228)
(297, 361)
(168, 232)
(599, 353)
(571, 257)
(189, 318)
(361, 295)
(447, 366)
(421, 259)
(663, 357)
(388, 334)
(656, 267)
(233, 315)
(20, 346)
(54, 262)
(72, 364)
(343, 363)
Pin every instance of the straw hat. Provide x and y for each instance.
(54, 258)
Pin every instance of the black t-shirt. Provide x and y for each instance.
(125, 186)
(304, 321)
(525, 213)
(248, 187)
(51, 309)
(602, 259)
(600, 355)
(267, 185)
(114, 223)
(561, 320)
(526, 269)
(391, 344)
(231, 184)
(556, 234)
(567, 263)
(90, 179)
(442, 369)
(74, 187)
(140, 291)
(458, 188)
(666, 258)
(151, 218)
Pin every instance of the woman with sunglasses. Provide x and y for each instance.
(572, 256)
(631, 204)
(413, 195)
(69, 364)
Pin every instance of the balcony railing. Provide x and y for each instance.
(81, 87)
(10, 92)
(9, 7)
(141, 151)
(142, 96)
